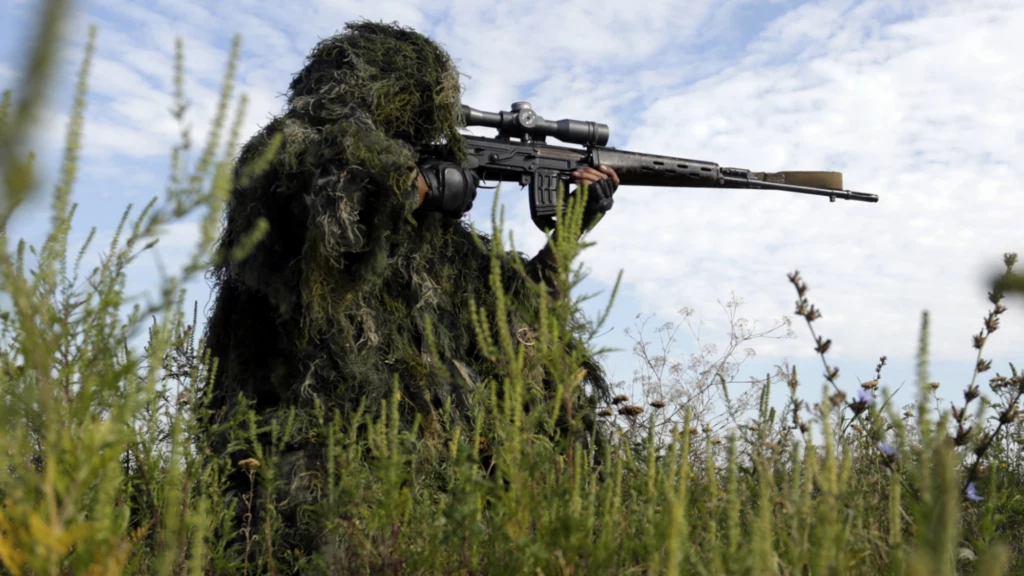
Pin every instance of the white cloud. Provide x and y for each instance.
(913, 100)
(920, 112)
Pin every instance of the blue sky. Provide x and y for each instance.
(917, 101)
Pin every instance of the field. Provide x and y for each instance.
(105, 468)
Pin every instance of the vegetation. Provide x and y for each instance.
(104, 467)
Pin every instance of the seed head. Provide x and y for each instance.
(972, 392)
(837, 398)
(631, 411)
(1009, 415)
(823, 345)
(962, 435)
(979, 340)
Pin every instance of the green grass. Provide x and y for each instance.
(103, 466)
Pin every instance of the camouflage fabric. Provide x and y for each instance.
(330, 305)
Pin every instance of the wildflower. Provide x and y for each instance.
(716, 440)
(658, 404)
(865, 397)
(972, 492)
(934, 385)
(869, 385)
(886, 449)
(620, 399)
(606, 412)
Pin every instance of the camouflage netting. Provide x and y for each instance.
(330, 305)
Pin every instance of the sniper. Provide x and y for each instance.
(366, 270)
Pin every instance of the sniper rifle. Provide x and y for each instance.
(531, 162)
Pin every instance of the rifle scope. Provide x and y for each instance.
(523, 123)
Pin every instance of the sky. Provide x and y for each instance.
(915, 101)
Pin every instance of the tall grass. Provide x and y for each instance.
(104, 468)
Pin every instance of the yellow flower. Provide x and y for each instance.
(249, 464)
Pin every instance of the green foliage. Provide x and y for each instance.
(106, 464)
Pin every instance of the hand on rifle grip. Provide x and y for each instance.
(601, 184)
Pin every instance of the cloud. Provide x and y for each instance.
(919, 111)
(913, 100)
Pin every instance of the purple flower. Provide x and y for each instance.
(886, 449)
(972, 492)
(865, 397)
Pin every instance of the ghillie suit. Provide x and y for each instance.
(331, 304)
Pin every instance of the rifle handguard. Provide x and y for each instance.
(830, 180)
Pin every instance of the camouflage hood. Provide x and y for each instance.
(407, 83)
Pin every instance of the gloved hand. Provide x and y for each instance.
(451, 187)
(603, 182)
